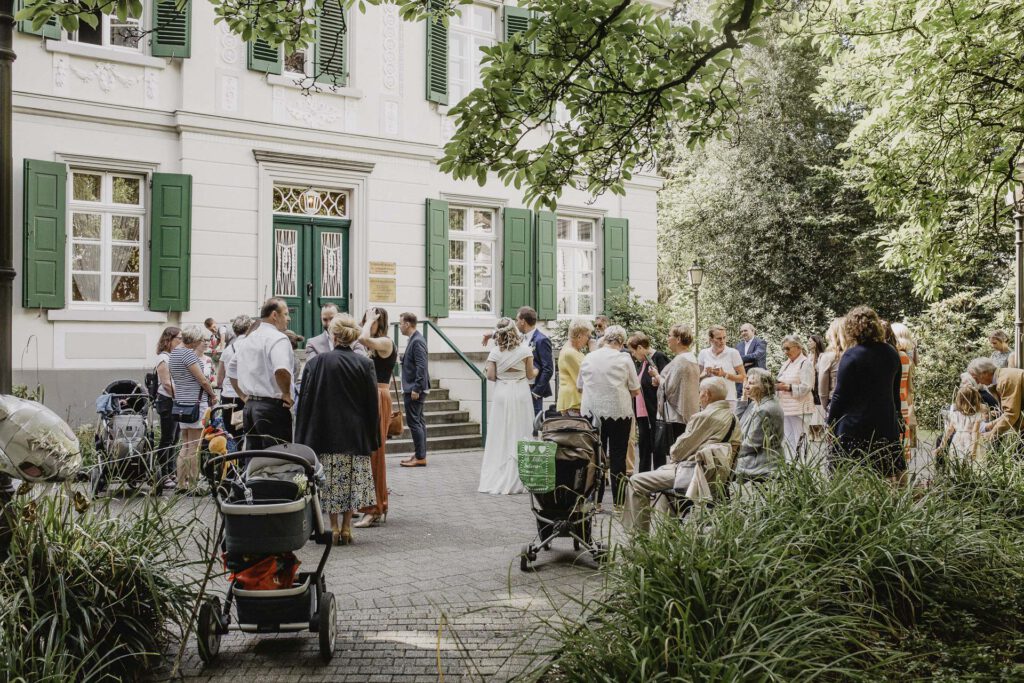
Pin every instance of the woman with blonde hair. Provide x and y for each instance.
(1000, 342)
(191, 389)
(907, 348)
(510, 418)
(339, 418)
(570, 358)
(795, 380)
(384, 355)
(828, 362)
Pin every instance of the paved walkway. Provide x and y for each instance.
(434, 594)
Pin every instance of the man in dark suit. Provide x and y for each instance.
(753, 351)
(526, 321)
(415, 387)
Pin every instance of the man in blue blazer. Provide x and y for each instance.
(415, 387)
(526, 321)
(753, 351)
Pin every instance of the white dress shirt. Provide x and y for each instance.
(257, 357)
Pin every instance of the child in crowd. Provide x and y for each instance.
(962, 437)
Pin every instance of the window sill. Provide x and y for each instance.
(319, 88)
(105, 54)
(83, 315)
(457, 320)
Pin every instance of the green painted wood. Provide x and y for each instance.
(437, 56)
(172, 36)
(516, 20)
(616, 255)
(330, 55)
(437, 258)
(44, 261)
(547, 275)
(170, 242)
(264, 57)
(517, 263)
(51, 29)
(329, 257)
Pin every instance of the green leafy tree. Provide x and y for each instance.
(786, 241)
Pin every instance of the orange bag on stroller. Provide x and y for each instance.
(271, 573)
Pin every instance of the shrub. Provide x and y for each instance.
(817, 578)
(94, 595)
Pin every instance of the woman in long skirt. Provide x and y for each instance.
(510, 366)
(374, 338)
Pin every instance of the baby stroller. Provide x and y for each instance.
(272, 509)
(567, 509)
(124, 439)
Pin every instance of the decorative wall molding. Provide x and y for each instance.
(314, 112)
(61, 71)
(229, 93)
(391, 50)
(230, 45)
(266, 156)
(389, 118)
(107, 76)
(152, 87)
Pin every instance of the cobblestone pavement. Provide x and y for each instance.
(436, 593)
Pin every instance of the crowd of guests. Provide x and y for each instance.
(339, 403)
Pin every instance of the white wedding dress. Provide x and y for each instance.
(509, 420)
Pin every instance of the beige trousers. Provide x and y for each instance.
(637, 513)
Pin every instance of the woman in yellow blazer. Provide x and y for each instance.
(570, 357)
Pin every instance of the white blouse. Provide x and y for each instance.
(606, 378)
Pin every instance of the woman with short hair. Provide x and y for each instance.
(645, 406)
(191, 388)
(678, 384)
(1000, 342)
(796, 377)
(608, 381)
(761, 428)
(339, 419)
(570, 358)
(864, 412)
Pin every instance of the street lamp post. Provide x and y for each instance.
(1015, 199)
(695, 275)
(6, 193)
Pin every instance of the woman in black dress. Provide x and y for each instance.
(645, 406)
(864, 413)
(339, 419)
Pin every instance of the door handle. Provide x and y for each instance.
(309, 291)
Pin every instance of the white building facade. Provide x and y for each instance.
(186, 175)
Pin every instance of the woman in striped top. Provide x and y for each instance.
(191, 387)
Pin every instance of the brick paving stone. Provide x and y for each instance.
(439, 582)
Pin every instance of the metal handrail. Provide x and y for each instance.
(427, 326)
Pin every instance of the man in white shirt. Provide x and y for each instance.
(722, 361)
(261, 374)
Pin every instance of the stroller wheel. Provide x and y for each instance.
(599, 553)
(208, 630)
(327, 626)
(524, 558)
(576, 544)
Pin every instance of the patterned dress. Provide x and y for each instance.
(906, 403)
(349, 483)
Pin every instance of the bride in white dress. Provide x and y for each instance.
(510, 417)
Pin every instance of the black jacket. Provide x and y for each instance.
(865, 405)
(647, 388)
(414, 366)
(338, 408)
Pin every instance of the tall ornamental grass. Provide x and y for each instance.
(94, 595)
(819, 579)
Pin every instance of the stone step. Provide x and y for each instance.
(435, 431)
(446, 417)
(444, 443)
(434, 395)
(435, 406)
(434, 384)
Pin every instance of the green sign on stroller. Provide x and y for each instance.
(537, 465)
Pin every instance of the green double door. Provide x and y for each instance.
(310, 268)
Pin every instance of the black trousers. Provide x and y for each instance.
(417, 427)
(615, 441)
(170, 430)
(646, 457)
(236, 433)
(266, 423)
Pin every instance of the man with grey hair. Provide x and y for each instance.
(981, 374)
(715, 423)
(753, 351)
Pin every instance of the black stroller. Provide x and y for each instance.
(567, 509)
(271, 509)
(124, 439)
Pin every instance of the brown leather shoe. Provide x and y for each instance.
(413, 462)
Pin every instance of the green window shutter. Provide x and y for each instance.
(170, 240)
(44, 252)
(264, 57)
(437, 258)
(517, 260)
(616, 255)
(546, 292)
(331, 67)
(172, 37)
(516, 21)
(437, 57)
(51, 29)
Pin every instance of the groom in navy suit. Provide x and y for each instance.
(526, 321)
(753, 351)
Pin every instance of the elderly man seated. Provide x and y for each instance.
(715, 423)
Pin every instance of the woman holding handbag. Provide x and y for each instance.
(645, 406)
(374, 337)
(191, 390)
(678, 390)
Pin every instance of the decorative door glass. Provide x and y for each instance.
(286, 277)
(331, 283)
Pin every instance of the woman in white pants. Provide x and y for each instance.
(796, 377)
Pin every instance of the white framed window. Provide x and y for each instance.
(106, 220)
(471, 260)
(299, 63)
(577, 266)
(474, 27)
(111, 32)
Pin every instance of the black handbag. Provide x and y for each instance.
(185, 412)
(662, 439)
